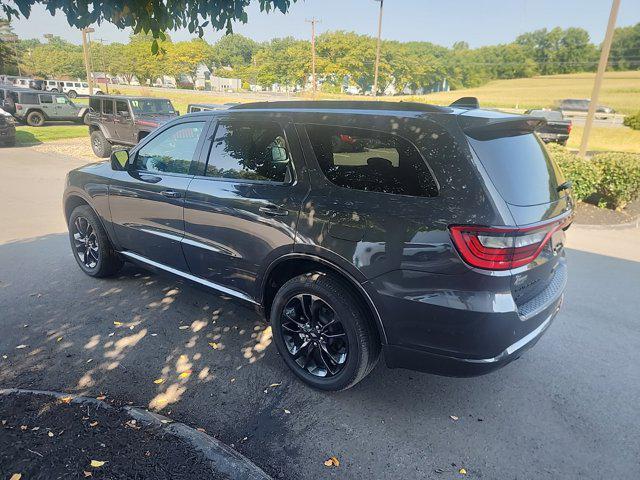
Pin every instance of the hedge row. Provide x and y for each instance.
(611, 179)
(632, 121)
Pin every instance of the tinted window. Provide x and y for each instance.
(249, 150)
(29, 98)
(372, 161)
(520, 169)
(548, 114)
(172, 150)
(94, 104)
(69, 84)
(76, 84)
(46, 99)
(151, 106)
(121, 106)
(107, 106)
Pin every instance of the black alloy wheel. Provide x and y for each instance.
(86, 242)
(314, 336)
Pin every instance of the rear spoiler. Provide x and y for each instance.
(482, 128)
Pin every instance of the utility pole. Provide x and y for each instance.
(375, 74)
(313, 22)
(104, 68)
(87, 58)
(602, 66)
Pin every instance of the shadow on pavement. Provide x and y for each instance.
(208, 361)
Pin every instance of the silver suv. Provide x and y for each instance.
(36, 107)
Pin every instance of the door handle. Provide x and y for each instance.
(171, 193)
(274, 211)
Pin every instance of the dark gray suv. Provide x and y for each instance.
(433, 234)
(123, 120)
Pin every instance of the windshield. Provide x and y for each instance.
(152, 107)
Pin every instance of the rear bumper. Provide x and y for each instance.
(414, 359)
(466, 325)
(554, 137)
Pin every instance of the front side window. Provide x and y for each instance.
(62, 100)
(94, 104)
(122, 107)
(76, 84)
(250, 150)
(46, 99)
(172, 150)
(372, 161)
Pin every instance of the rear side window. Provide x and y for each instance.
(250, 150)
(372, 161)
(107, 106)
(520, 169)
(31, 98)
(94, 104)
(46, 99)
(122, 107)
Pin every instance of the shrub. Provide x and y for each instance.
(613, 178)
(585, 174)
(620, 177)
(633, 121)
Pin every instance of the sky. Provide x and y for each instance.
(478, 22)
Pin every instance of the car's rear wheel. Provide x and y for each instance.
(101, 147)
(322, 332)
(90, 245)
(35, 119)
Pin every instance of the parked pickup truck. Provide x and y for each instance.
(556, 129)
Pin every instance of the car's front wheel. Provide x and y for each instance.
(322, 332)
(90, 245)
(72, 94)
(101, 147)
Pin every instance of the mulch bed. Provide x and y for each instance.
(46, 438)
(587, 214)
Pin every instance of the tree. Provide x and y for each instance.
(184, 58)
(625, 48)
(57, 58)
(233, 51)
(145, 67)
(148, 17)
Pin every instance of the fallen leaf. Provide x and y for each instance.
(93, 424)
(20, 347)
(87, 474)
(233, 380)
(201, 430)
(59, 339)
(66, 399)
(154, 334)
(185, 374)
(111, 334)
(454, 418)
(214, 345)
(183, 327)
(50, 434)
(273, 385)
(101, 397)
(332, 462)
(164, 420)
(16, 476)
(35, 429)
(158, 381)
(23, 427)
(132, 424)
(5, 357)
(97, 463)
(462, 471)
(117, 324)
(132, 327)
(4, 422)
(90, 360)
(286, 411)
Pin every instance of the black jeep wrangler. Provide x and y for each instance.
(122, 120)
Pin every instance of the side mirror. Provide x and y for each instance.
(125, 114)
(119, 160)
(279, 154)
(177, 113)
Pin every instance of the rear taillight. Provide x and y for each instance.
(502, 248)
(569, 127)
(18, 106)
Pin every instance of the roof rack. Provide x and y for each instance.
(341, 105)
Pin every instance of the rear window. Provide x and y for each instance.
(520, 169)
(372, 161)
(548, 114)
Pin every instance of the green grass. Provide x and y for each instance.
(29, 135)
(622, 139)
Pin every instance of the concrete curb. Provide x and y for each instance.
(635, 223)
(221, 458)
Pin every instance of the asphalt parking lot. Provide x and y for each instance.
(567, 409)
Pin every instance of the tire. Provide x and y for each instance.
(563, 143)
(72, 94)
(351, 324)
(35, 119)
(101, 147)
(54, 90)
(101, 259)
